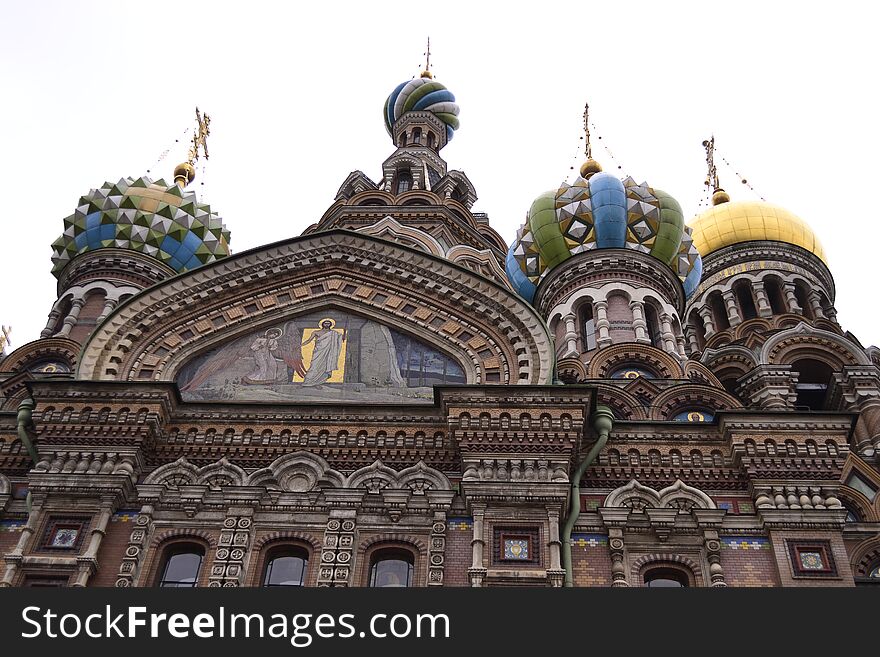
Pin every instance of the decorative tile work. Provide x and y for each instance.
(745, 543)
(591, 502)
(735, 506)
(63, 534)
(460, 524)
(12, 525)
(516, 545)
(811, 559)
(588, 540)
(124, 516)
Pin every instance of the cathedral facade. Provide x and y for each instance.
(398, 398)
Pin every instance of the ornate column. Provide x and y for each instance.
(706, 314)
(437, 550)
(815, 301)
(791, 300)
(337, 551)
(13, 559)
(730, 305)
(70, 320)
(709, 520)
(668, 336)
(52, 321)
(570, 335)
(615, 520)
(88, 561)
(761, 300)
(603, 326)
(690, 333)
(109, 305)
(555, 572)
(770, 387)
(477, 571)
(232, 548)
(639, 323)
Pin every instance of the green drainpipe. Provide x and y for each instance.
(603, 420)
(25, 423)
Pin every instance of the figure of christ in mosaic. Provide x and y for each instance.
(327, 356)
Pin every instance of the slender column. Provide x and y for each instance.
(109, 305)
(730, 305)
(791, 300)
(706, 313)
(602, 324)
(690, 333)
(761, 300)
(52, 321)
(555, 572)
(70, 320)
(815, 301)
(639, 323)
(571, 335)
(477, 572)
(88, 562)
(666, 332)
(13, 559)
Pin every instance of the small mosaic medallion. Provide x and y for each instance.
(64, 537)
(812, 561)
(516, 549)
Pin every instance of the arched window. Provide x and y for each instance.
(588, 326)
(852, 514)
(417, 136)
(800, 293)
(743, 291)
(403, 139)
(812, 383)
(719, 312)
(286, 565)
(430, 140)
(664, 577)
(391, 567)
(775, 296)
(653, 322)
(182, 564)
(404, 181)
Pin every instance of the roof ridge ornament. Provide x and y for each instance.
(719, 196)
(589, 167)
(426, 73)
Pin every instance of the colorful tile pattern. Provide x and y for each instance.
(124, 516)
(516, 549)
(460, 524)
(12, 525)
(745, 543)
(588, 540)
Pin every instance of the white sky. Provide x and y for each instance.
(96, 91)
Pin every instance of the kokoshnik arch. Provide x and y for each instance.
(396, 397)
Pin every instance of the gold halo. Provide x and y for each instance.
(327, 319)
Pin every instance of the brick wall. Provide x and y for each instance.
(113, 547)
(591, 560)
(621, 318)
(10, 532)
(844, 576)
(748, 561)
(459, 533)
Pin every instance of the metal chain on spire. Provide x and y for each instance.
(165, 153)
(742, 178)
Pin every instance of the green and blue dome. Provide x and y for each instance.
(422, 94)
(154, 218)
(601, 212)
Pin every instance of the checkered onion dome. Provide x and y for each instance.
(154, 218)
(601, 212)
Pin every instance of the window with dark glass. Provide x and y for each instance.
(286, 566)
(181, 567)
(404, 181)
(391, 568)
(653, 323)
(658, 578)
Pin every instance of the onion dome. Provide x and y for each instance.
(422, 94)
(736, 222)
(601, 212)
(160, 220)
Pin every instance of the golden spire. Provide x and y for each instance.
(719, 196)
(427, 72)
(185, 172)
(589, 167)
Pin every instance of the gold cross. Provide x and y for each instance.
(587, 149)
(712, 177)
(5, 332)
(200, 137)
(427, 72)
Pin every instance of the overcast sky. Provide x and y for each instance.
(95, 91)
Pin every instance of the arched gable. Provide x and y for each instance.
(496, 337)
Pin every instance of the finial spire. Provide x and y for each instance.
(719, 196)
(589, 167)
(185, 172)
(427, 72)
